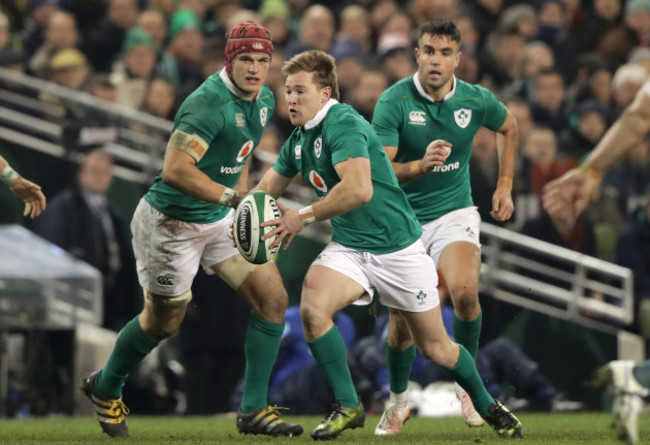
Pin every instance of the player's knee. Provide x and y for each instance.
(313, 318)
(272, 307)
(465, 298)
(165, 303)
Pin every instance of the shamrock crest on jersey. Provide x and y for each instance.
(317, 181)
(318, 146)
(463, 117)
(246, 149)
(264, 112)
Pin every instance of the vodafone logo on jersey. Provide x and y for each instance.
(246, 149)
(317, 181)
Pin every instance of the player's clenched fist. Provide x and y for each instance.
(435, 155)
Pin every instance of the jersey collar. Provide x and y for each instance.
(320, 115)
(236, 91)
(418, 86)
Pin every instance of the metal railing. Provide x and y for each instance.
(556, 281)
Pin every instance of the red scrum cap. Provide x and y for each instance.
(247, 37)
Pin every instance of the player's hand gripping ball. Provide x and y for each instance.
(254, 209)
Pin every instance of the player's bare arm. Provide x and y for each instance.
(180, 171)
(354, 190)
(570, 194)
(27, 191)
(507, 145)
(435, 154)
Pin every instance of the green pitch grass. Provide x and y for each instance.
(591, 428)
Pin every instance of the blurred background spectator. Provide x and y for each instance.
(82, 221)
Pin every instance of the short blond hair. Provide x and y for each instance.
(318, 62)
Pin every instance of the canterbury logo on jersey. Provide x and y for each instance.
(446, 167)
(417, 118)
(317, 181)
(246, 149)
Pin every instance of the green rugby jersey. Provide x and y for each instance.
(232, 127)
(407, 118)
(386, 223)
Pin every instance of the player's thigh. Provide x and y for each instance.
(167, 251)
(326, 291)
(460, 264)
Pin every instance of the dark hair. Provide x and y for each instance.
(440, 28)
(318, 62)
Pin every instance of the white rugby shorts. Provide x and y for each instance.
(168, 251)
(404, 280)
(459, 225)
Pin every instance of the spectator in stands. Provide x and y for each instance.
(625, 84)
(100, 86)
(596, 84)
(275, 17)
(84, 222)
(468, 68)
(68, 68)
(367, 92)
(548, 106)
(588, 124)
(105, 42)
(485, 14)
(160, 99)
(355, 27)
(521, 111)
(395, 55)
(153, 22)
(348, 64)
(27, 191)
(535, 58)
(502, 51)
(522, 18)
(630, 178)
(33, 32)
(275, 79)
(637, 17)
(604, 16)
(181, 62)
(484, 166)
(135, 68)
(633, 251)
(469, 36)
(316, 32)
(538, 164)
(553, 29)
(61, 34)
(640, 56)
(4, 33)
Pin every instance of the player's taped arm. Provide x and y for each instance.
(180, 172)
(192, 144)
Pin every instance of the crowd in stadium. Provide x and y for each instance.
(566, 70)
